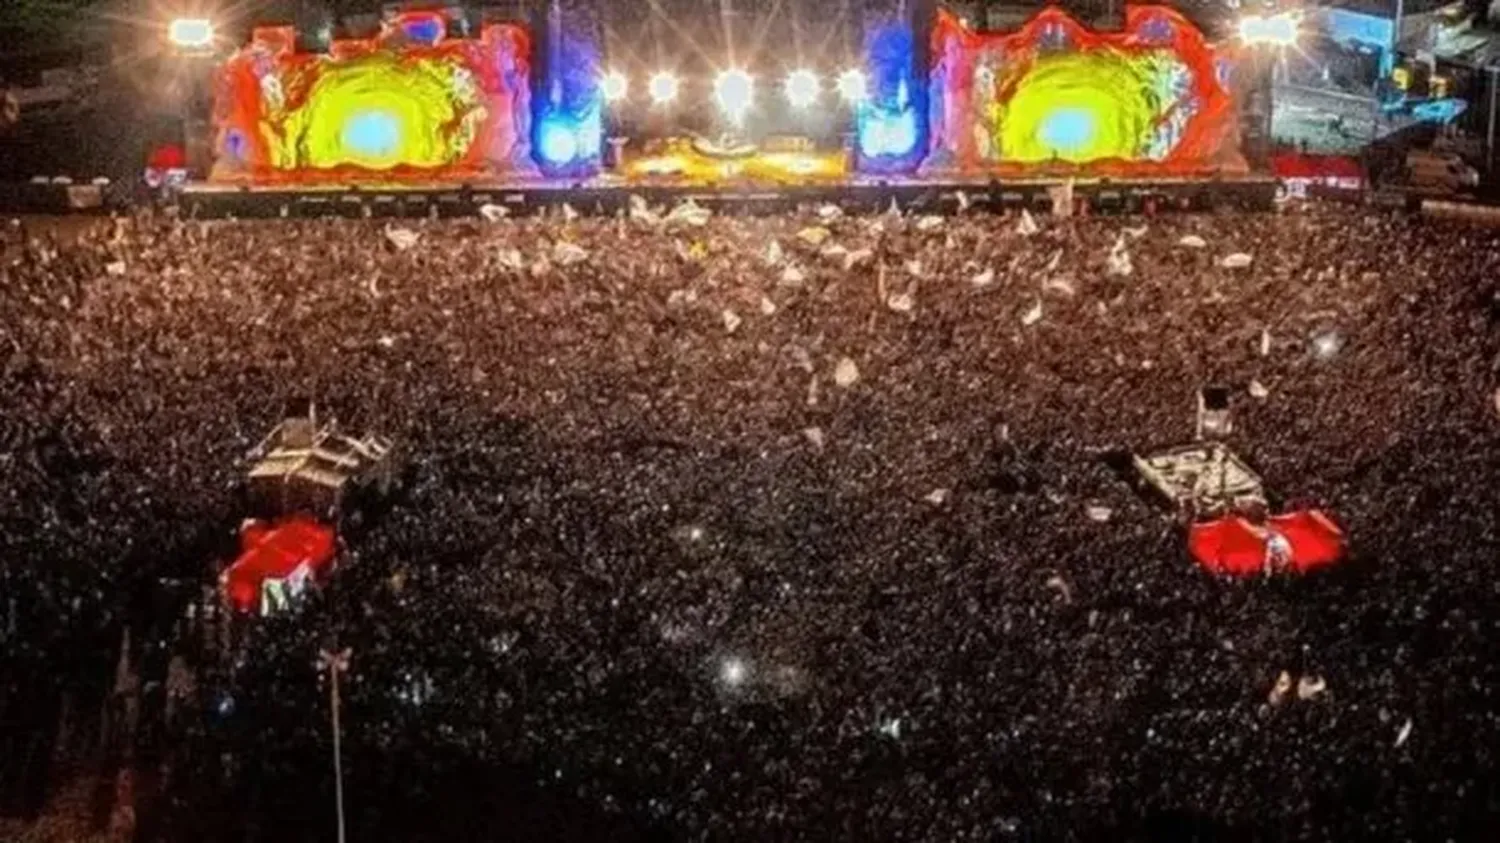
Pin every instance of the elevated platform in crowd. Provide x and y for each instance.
(610, 196)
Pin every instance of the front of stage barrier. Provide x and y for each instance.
(600, 197)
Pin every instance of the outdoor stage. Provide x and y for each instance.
(606, 195)
(1149, 116)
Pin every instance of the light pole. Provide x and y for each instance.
(335, 664)
(1489, 142)
(1395, 53)
(193, 43)
(1396, 26)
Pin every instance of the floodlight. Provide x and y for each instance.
(615, 86)
(852, 86)
(191, 33)
(663, 87)
(802, 88)
(1273, 30)
(734, 90)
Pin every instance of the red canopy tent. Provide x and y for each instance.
(286, 553)
(1303, 540)
(168, 156)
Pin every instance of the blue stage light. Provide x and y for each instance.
(559, 143)
(568, 132)
(887, 135)
(891, 121)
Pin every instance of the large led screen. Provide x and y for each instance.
(1151, 98)
(408, 104)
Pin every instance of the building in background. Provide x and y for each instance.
(1371, 72)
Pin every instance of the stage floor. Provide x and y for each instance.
(609, 195)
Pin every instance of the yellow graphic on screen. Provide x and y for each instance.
(377, 112)
(1078, 107)
(777, 160)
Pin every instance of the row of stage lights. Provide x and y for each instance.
(734, 90)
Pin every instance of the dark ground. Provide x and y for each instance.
(656, 579)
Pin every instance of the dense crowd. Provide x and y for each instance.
(806, 526)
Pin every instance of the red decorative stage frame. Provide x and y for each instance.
(409, 105)
(1153, 99)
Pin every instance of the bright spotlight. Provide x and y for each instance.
(615, 86)
(802, 88)
(734, 90)
(663, 88)
(887, 134)
(559, 143)
(191, 33)
(1273, 30)
(852, 85)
